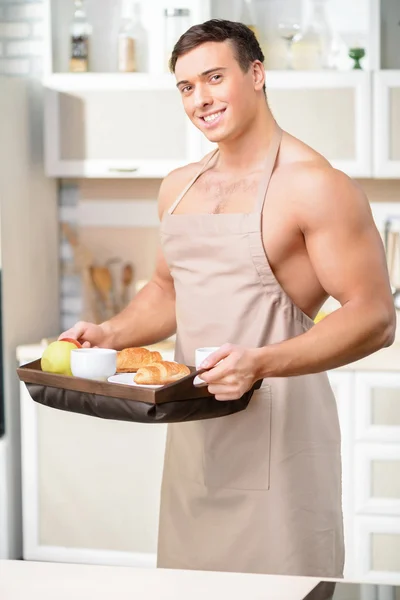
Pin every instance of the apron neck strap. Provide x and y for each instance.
(269, 167)
(191, 182)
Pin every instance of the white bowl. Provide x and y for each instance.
(93, 363)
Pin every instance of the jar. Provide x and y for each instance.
(314, 50)
(177, 21)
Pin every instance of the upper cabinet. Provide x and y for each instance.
(126, 128)
(331, 113)
(386, 123)
(107, 123)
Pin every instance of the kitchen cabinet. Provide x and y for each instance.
(331, 112)
(386, 124)
(91, 487)
(108, 124)
(109, 127)
(376, 460)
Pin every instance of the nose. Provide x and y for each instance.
(202, 97)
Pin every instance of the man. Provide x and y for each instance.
(254, 238)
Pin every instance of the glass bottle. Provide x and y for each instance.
(132, 39)
(80, 33)
(177, 21)
(247, 16)
(313, 51)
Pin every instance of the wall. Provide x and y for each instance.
(21, 38)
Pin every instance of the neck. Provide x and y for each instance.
(248, 149)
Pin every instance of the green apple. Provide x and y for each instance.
(56, 357)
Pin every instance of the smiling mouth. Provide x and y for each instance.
(212, 118)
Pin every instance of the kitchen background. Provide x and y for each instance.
(102, 131)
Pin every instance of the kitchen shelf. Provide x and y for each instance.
(166, 81)
(109, 81)
(94, 130)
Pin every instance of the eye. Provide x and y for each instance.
(186, 89)
(216, 77)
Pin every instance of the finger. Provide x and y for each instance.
(78, 330)
(220, 389)
(225, 397)
(86, 345)
(219, 372)
(213, 358)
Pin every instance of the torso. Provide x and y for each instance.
(283, 239)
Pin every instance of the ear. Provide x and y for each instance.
(258, 75)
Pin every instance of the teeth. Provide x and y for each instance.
(213, 117)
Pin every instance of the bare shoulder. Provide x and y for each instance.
(173, 184)
(326, 195)
(317, 192)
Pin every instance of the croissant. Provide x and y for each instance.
(161, 373)
(131, 359)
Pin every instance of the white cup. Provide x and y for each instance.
(200, 355)
(93, 363)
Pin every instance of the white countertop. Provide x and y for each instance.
(20, 580)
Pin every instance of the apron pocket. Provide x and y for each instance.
(237, 447)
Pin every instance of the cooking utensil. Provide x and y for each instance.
(392, 239)
(114, 266)
(102, 280)
(83, 260)
(127, 278)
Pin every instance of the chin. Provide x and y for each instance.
(215, 137)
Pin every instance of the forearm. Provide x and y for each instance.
(149, 318)
(348, 334)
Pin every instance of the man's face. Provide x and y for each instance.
(218, 97)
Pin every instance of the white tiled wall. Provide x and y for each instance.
(21, 38)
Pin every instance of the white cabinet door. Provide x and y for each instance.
(377, 549)
(108, 126)
(377, 479)
(329, 111)
(91, 487)
(377, 406)
(386, 120)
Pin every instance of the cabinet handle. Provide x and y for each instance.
(123, 169)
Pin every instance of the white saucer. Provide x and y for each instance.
(127, 379)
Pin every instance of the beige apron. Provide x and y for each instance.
(258, 491)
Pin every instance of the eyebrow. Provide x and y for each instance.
(204, 74)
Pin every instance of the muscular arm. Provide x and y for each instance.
(347, 254)
(150, 316)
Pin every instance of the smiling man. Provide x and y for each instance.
(255, 237)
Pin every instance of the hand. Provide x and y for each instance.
(88, 334)
(235, 375)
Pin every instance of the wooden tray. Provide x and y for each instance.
(175, 402)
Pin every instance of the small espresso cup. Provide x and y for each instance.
(93, 363)
(200, 355)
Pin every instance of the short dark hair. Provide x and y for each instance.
(245, 44)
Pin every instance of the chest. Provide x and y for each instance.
(214, 194)
(211, 194)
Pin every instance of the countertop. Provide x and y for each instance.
(20, 580)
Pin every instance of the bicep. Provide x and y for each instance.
(345, 247)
